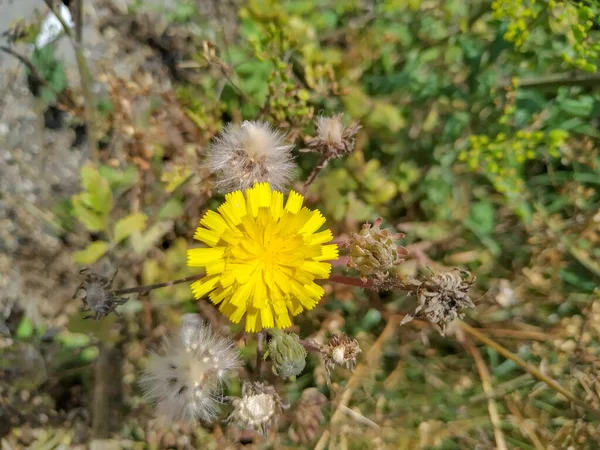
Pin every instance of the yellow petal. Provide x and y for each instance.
(202, 287)
(319, 269)
(207, 236)
(321, 238)
(214, 221)
(294, 202)
(328, 253)
(201, 257)
(314, 223)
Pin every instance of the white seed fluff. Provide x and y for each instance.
(251, 153)
(185, 379)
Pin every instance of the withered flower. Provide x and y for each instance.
(374, 251)
(333, 139)
(99, 297)
(341, 350)
(259, 407)
(443, 298)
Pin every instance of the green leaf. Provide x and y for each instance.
(171, 210)
(141, 242)
(25, 329)
(91, 253)
(129, 225)
(92, 220)
(482, 217)
(119, 179)
(100, 194)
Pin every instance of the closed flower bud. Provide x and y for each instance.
(443, 298)
(288, 356)
(341, 350)
(185, 381)
(251, 153)
(259, 407)
(374, 251)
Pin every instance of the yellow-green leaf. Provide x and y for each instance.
(129, 225)
(91, 253)
(98, 189)
(93, 221)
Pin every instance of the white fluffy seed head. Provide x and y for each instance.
(248, 154)
(330, 129)
(185, 379)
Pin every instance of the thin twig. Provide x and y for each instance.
(315, 172)
(527, 367)
(151, 287)
(486, 383)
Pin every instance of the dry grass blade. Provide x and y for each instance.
(529, 368)
(486, 382)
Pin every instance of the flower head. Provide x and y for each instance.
(333, 139)
(259, 407)
(263, 257)
(443, 298)
(185, 380)
(248, 154)
(373, 251)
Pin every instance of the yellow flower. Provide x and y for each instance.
(263, 257)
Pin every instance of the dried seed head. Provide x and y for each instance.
(288, 356)
(99, 298)
(341, 350)
(333, 139)
(251, 153)
(259, 408)
(185, 380)
(307, 416)
(443, 298)
(374, 251)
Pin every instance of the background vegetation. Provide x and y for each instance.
(479, 142)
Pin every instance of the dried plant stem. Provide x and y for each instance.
(527, 367)
(151, 287)
(527, 429)
(84, 73)
(486, 383)
(315, 173)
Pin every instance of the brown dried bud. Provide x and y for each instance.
(341, 350)
(259, 408)
(333, 139)
(443, 298)
(374, 252)
(307, 416)
(99, 298)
